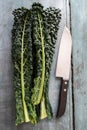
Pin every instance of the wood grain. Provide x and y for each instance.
(7, 99)
(79, 35)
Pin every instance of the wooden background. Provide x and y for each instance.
(74, 15)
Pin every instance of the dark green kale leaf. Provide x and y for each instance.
(23, 68)
(39, 56)
(52, 18)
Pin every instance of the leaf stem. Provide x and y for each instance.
(43, 62)
(22, 75)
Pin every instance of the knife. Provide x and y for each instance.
(63, 69)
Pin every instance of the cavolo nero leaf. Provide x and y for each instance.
(23, 70)
(52, 18)
(39, 57)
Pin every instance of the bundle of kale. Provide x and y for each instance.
(34, 36)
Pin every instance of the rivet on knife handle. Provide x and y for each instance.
(62, 98)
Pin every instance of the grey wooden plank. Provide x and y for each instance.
(7, 101)
(79, 34)
(68, 23)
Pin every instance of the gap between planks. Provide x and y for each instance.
(72, 76)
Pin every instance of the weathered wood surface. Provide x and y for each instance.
(7, 101)
(79, 35)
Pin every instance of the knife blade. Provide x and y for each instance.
(63, 69)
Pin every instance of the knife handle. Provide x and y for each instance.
(62, 98)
